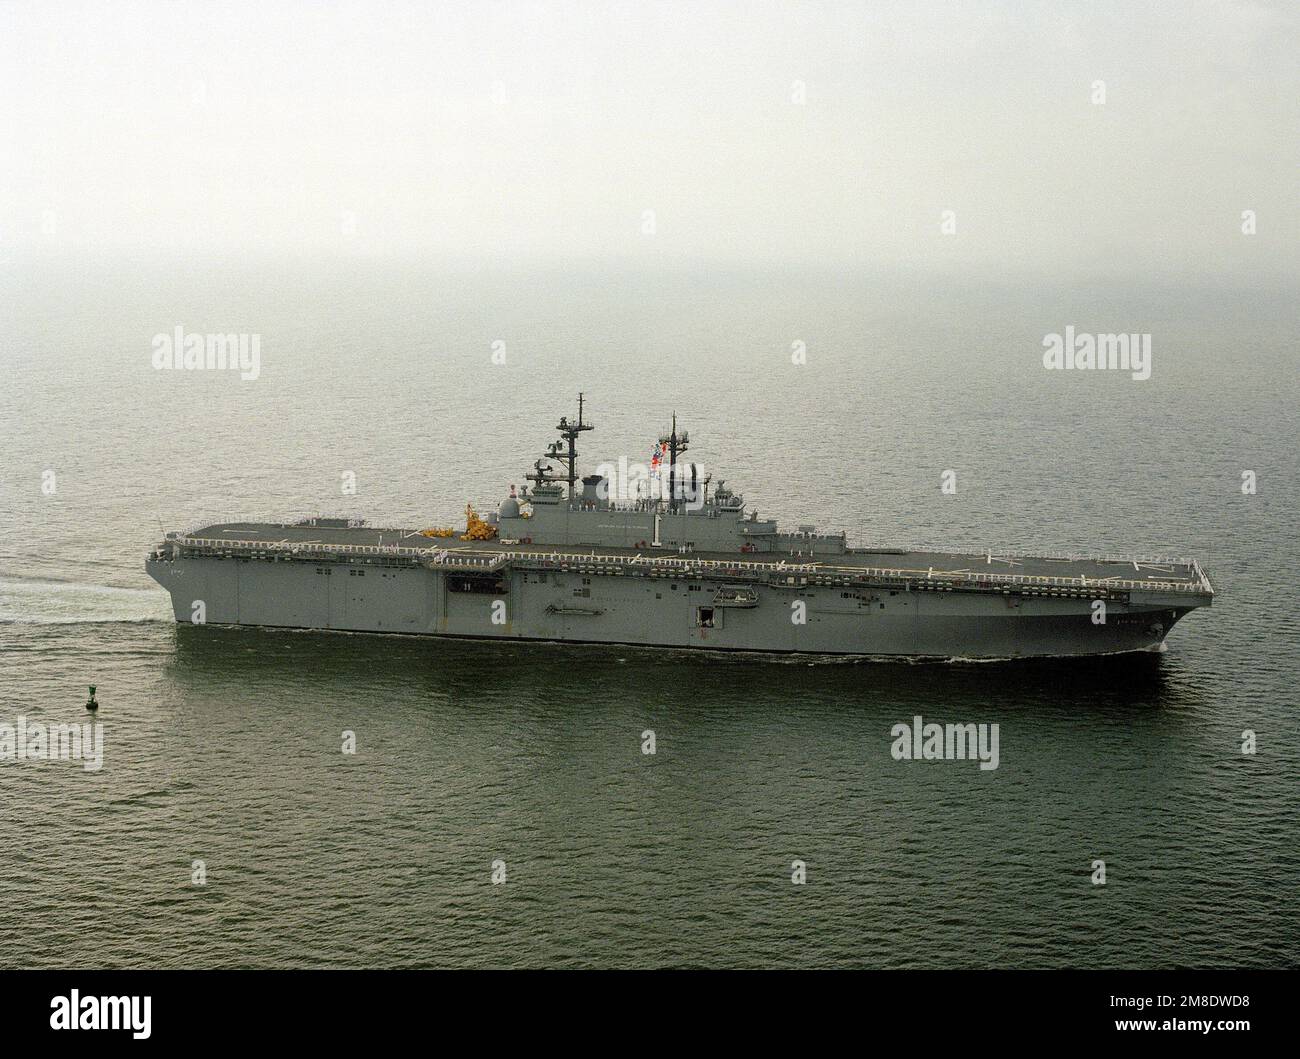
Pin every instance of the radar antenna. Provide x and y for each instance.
(542, 473)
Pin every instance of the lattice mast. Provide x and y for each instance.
(543, 472)
(677, 444)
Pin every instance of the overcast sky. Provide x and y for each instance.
(546, 131)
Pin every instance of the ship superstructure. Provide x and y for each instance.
(675, 564)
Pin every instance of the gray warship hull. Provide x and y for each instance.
(672, 565)
(885, 603)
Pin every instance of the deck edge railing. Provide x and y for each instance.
(817, 571)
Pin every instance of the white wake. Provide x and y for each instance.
(31, 601)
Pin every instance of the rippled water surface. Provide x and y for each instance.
(224, 745)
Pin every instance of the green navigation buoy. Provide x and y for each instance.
(91, 704)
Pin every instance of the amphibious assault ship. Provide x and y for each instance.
(677, 564)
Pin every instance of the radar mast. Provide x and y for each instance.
(570, 431)
(677, 444)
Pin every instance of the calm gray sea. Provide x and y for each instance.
(223, 746)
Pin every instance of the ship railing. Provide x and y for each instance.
(433, 555)
(586, 559)
(953, 579)
(1206, 587)
(465, 561)
(765, 569)
(1002, 554)
(304, 547)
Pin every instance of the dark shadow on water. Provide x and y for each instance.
(352, 664)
